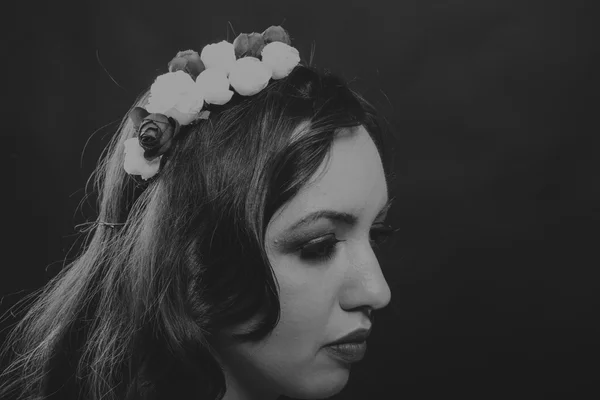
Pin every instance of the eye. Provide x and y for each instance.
(320, 251)
(380, 235)
(324, 250)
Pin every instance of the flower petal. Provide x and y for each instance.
(188, 61)
(181, 117)
(276, 34)
(248, 45)
(281, 58)
(221, 98)
(218, 55)
(135, 163)
(137, 115)
(175, 91)
(214, 85)
(249, 76)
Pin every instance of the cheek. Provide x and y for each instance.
(291, 359)
(303, 322)
(307, 297)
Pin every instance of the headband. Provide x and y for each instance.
(179, 97)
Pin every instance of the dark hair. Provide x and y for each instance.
(133, 316)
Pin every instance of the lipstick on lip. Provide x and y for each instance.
(357, 336)
(348, 352)
(350, 348)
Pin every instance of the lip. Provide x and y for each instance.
(348, 353)
(357, 336)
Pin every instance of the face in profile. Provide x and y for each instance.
(325, 288)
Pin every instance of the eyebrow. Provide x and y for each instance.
(332, 215)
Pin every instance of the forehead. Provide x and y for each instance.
(352, 179)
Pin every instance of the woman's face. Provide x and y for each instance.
(322, 299)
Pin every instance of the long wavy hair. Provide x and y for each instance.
(133, 316)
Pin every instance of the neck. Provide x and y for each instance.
(243, 388)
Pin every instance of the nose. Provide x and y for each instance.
(368, 286)
(377, 288)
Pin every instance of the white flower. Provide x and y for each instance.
(175, 95)
(218, 55)
(281, 58)
(249, 76)
(135, 163)
(214, 85)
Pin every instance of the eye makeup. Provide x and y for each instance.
(319, 242)
(335, 216)
(324, 248)
(294, 241)
(320, 250)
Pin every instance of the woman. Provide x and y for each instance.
(239, 206)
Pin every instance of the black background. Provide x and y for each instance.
(494, 103)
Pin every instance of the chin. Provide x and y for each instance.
(322, 385)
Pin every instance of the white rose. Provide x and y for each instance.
(218, 55)
(175, 95)
(281, 58)
(249, 76)
(214, 85)
(135, 163)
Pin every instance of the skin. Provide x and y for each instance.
(320, 300)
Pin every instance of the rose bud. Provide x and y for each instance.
(241, 45)
(189, 61)
(248, 45)
(257, 43)
(156, 133)
(276, 34)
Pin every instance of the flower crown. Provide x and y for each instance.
(178, 97)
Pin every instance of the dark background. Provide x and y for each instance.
(494, 107)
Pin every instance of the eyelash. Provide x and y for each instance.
(311, 252)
